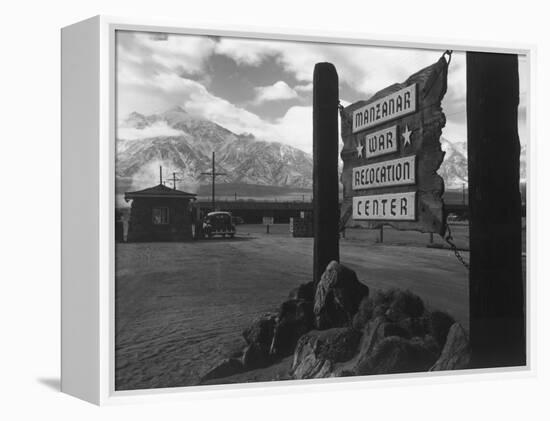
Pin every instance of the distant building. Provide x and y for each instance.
(161, 213)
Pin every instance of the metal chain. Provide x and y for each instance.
(449, 241)
(450, 54)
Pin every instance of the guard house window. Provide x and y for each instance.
(160, 216)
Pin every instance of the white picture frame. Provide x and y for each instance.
(88, 138)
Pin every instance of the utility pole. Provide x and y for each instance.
(213, 174)
(160, 172)
(174, 180)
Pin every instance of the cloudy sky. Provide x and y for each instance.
(265, 87)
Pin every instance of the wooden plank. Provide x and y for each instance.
(497, 300)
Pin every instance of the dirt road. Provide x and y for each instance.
(180, 307)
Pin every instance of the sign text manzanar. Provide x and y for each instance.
(394, 105)
(392, 153)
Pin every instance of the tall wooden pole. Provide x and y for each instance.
(213, 181)
(325, 167)
(497, 301)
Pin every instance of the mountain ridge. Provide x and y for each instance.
(183, 143)
(242, 157)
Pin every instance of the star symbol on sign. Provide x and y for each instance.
(406, 136)
(359, 150)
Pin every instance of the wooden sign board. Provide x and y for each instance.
(391, 155)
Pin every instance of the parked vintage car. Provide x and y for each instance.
(237, 220)
(218, 223)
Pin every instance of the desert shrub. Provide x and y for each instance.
(405, 304)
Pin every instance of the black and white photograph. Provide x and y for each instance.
(275, 211)
(290, 210)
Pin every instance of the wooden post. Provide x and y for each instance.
(497, 303)
(381, 233)
(325, 168)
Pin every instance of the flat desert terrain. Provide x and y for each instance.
(181, 307)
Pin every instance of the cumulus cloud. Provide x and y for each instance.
(247, 51)
(170, 52)
(366, 69)
(157, 129)
(157, 71)
(304, 88)
(296, 127)
(277, 92)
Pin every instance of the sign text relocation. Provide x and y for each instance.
(396, 172)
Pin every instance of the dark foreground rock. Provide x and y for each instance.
(305, 292)
(255, 357)
(259, 338)
(395, 354)
(260, 332)
(295, 318)
(337, 297)
(456, 353)
(438, 325)
(375, 331)
(356, 334)
(227, 367)
(318, 351)
(279, 370)
(399, 335)
(395, 305)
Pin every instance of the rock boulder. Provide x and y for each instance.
(337, 297)
(318, 351)
(398, 355)
(305, 292)
(227, 367)
(456, 353)
(295, 318)
(260, 332)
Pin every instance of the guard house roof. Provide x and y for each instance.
(157, 192)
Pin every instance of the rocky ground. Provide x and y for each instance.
(181, 308)
(336, 328)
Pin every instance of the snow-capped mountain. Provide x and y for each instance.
(454, 168)
(184, 143)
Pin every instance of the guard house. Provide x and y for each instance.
(160, 213)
